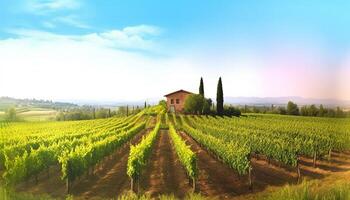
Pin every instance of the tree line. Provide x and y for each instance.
(293, 109)
(198, 104)
(90, 112)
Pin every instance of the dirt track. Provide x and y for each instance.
(106, 182)
(216, 179)
(164, 174)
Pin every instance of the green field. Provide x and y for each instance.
(257, 156)
(33, 114)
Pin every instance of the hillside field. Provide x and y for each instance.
(153, 153)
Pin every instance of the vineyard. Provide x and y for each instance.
(157, 153)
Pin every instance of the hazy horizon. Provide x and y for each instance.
(129, 51)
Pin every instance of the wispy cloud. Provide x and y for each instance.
(142, 37)
(48, 24)
(71, 20)
(47, 6)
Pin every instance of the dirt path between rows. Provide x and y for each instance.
(164, 174)
(113, 180)
(215, 178)
(107, 182)
(218, 180)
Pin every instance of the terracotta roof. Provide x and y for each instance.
(178, 92)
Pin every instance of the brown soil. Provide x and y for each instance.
(109, 179)
(164, 174)
(216, 179)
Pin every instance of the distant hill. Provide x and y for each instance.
(7, 102)
(284, 101)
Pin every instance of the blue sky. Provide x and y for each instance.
(260, 48)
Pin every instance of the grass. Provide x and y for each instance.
(312, 190)
(38, 115)
(33, 114)
(307, 190)
(9, 194)
(334, 187)
(2, 115)
(189, 196)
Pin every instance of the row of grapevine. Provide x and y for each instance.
(76, 163)
(272, 147)
(139, 154)
(236, 155)
(300, 139)
(10, 150)
(25, 164)
(187, 157)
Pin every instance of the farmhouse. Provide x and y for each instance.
(176, 100)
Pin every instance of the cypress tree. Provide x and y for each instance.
(145, 105)
(220, 99)
(201, 87)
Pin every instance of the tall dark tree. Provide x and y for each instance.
(292, 108)
(201, 87)
(220, 99)
(145, 105)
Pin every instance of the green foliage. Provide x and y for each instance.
(220, 99)
(321, 111)
(231, 111)
(85, 113)
(10, 194)
(207, 106)
(194, 104)
(11, 115)
(76, 162)
(185, 154)
(281, 138)
(234, 153)
(189, 196)
(8, 102)
(312, 191)
(37, 146)
(292, 108)
(163, 104)
(139, 154)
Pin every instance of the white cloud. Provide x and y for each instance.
(48, 24)
(135, 38)
(71, 20)
(46, 6)
(70, 69)
(98, 66)
(143, 30)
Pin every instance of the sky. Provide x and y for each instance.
(134, 50)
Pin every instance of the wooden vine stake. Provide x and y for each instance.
(315, 157)
(298, 170)
(193, 184)
(132, 185)
(68, 184)
(250, 173)
(250, 178)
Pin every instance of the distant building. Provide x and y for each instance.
(176, 100)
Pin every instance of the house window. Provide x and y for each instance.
(177, 101)
(172, 101)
